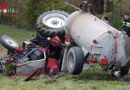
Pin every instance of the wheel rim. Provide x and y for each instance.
(71, 60)
(54, 20)
(11, 42)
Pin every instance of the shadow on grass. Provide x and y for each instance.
(96, 73)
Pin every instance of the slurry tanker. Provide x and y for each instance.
(92, 40)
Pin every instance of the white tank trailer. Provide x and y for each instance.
(95, 40)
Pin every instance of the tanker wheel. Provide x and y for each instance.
(1, 70)
(75, 60)
(9, 43)
(125, 69)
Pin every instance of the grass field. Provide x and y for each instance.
(93, 79)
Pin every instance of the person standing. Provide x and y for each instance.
(126, 24)
(106, 20)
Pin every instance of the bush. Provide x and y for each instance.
(29, 10)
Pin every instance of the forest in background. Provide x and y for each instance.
(29, 10)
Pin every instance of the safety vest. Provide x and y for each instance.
(126, 26)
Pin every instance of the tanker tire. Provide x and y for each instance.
(1, 70)
(9, 43)
(75, 60)
(125, 69)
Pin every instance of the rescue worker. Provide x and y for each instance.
(106, 20)
(85, 6)
(126, 24)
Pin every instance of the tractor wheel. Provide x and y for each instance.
(9, 43)
(52, 23)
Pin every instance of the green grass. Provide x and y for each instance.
(93, 79)
(18, 34)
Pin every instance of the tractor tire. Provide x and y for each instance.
(9, 43)
(41, 20)
(51, 29)
(75, 60)
(51, 32)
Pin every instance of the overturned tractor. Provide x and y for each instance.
(41, 54)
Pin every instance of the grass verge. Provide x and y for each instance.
(93, 79)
